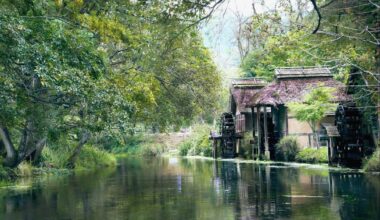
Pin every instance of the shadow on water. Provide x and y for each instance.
(196, 189)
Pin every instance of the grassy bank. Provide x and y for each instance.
(53, 161)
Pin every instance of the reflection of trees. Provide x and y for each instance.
(359, 195)
(196, 189)
(255, 191)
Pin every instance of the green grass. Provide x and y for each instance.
(313, 155)
(373, 163)
(91, 157)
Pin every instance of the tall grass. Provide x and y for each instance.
(89, 157)
(92, 157)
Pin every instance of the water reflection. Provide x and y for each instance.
(196, 189)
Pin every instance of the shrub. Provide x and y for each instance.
(373, 163)
(287, 149)
(313, 155)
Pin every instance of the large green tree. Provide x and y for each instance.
(80, 69)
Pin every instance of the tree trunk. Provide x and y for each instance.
(315, 134)
(11, 158)
(78, 148)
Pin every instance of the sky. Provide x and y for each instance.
(219, 33)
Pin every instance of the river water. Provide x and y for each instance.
(171, 188)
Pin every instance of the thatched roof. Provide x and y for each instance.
(292, 84)
(244, 89)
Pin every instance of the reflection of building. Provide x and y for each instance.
(262, 108)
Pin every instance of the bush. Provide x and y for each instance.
(373, 163)
(287, 149)
(313, 155)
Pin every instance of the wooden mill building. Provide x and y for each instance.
(261, 112)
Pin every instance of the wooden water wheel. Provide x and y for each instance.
(228, 135)
(350, 144)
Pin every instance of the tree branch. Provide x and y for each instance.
(319, 15)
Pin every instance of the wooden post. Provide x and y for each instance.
(254, 116)
(258, 130)
(286, 122)
(215, 149)
(266, 144)
(237, 146)
(329, 150)
(253, 122)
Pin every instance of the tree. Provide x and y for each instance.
(79, 69)
(313, 108)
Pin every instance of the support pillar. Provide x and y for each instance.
(215, 148)
(266, 144)
(258, 130)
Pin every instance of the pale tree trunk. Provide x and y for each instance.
(11, 158)
(73, 158)
(315, 133)
(377, 56)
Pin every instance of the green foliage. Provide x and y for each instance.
(24, 169)
(373, 163)
(287, 149)
(198, 143)
(151, 150)
(314, 106)
(313, 155)
(69, 68)
(91, 157)
(139, 145)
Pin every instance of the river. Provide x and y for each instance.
(179, 188)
